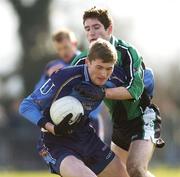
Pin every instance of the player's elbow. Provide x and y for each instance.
(23, 107)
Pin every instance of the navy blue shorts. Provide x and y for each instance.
(83, 144)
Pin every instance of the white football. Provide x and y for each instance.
(63, 106)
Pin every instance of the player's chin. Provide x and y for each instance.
(92, 40)
(100, 82)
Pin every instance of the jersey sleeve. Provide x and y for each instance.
(134, 71)
(30, 110)
(33, 106)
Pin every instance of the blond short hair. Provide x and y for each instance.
(62, 34)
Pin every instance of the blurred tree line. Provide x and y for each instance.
(34, 32)
(34, 36)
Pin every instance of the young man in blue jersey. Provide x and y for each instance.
(133, 140)
(75, 150)
(65, 44)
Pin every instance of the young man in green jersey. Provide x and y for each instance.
(134, 123)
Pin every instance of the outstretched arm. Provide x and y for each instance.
(118, 93)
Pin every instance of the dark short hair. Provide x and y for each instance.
(101, 14)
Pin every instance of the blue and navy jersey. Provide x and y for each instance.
(60, 84)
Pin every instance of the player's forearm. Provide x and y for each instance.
(118, 93)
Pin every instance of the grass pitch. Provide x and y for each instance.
(166, 172)
(26, 174)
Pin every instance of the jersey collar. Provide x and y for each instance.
(86, 74)
(113, 40)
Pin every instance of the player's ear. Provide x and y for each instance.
(86, 61)
(109, 29)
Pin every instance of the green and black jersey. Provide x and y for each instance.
(131, 61)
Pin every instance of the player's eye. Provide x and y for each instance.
(96, 27)
(109, 69)
(99, 67)
(87, 29)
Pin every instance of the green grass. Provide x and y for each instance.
(25, 174)
(158, 172)
(166, 172)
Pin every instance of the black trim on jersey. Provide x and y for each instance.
(80, 61)
(127, 63)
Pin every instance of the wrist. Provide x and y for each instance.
(106, 93)
(42, 122)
